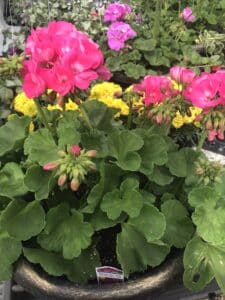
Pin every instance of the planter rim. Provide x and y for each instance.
(42, 285)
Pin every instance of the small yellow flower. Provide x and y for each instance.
(121, 105)
(25, 105)
(105, 90)
(54, 107)
(176, 85)
(70, 105)
(178, 121)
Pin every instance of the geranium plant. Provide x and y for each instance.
(85, 166)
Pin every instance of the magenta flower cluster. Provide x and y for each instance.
(119, 32)
(61, 58)
(187, 15)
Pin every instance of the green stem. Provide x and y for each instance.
(130, 115)
(86, 119)
(42, 115)
(179, 7)
(201, 140)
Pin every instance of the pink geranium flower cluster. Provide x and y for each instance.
(116, 12)
(61, 58)
(182, 75)
(118, 32)
(187, 15)
(155, 89)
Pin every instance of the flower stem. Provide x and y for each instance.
(157, 19)
(42, 115)
(201, 140)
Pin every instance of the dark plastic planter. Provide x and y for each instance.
(38, 283)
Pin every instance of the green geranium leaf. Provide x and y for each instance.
(99, 220)
(134, 253)
(128, 199)
(39, 181)
(145, 44)
(150, 222)
(106, 184)
(182, 163)
(179, 227)
(66, 232)
(41, 147)
(78, 270)
(12, 181)
(68, 129)
(98, 114)
(4, 201)
(135, 71)
(95, 140)
(154, 152)
(10, 250)
(122, 146)
(147, 197)
(13, 133)
(161, 176)
(198, 270)
(22, 219)
(113, 63)
(209, 217)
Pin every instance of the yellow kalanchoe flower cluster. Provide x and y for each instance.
(25, 105)
(70, 105)
(180, 119)
(107, 93)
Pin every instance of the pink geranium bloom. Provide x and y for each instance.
(118, 33)
(155, 88)
(75, 150)
(116, 12)
(205, 91)
(187, 15)
(182, 75)
(61, 58)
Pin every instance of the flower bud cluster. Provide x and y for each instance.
(73, 166)
(208, 171)
(215, 125)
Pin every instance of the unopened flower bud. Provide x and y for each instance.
(50, 166)
(91, 153)
(75, 150)
(220, 134)
(209, 125)
(200, 171)
(62, 179)
(61, 153)
(74, 185)
(159, 118)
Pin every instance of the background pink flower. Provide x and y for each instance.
(116, 12)
(118, 33)
(182, 75)
(187, 15)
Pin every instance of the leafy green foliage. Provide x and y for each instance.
(12, 181)
(128, 199)
(123, 146)
(135, 253)
(98, 115)
(150, 222)
(10, 249)
(23, 220)
(208, 210)
(203, 262)
(67, 129)
(65, 232)
(41, 147)
(79, 269)
(12, 134)
(179, 228)
(154, 152)
(39, 181)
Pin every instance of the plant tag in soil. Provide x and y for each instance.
(109, 275)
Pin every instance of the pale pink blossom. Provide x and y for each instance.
(187, 15)
(182, 75)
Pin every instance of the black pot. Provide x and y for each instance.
(148, 286)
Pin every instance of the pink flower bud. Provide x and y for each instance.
(62, 179)
(74, 185)
(212, 135)
(159, 118)
(50, 166)
(91, 153)
(220, 134)
(75, 150)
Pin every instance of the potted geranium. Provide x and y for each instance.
(95, 177)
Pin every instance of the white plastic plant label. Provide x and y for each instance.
(108, 274)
